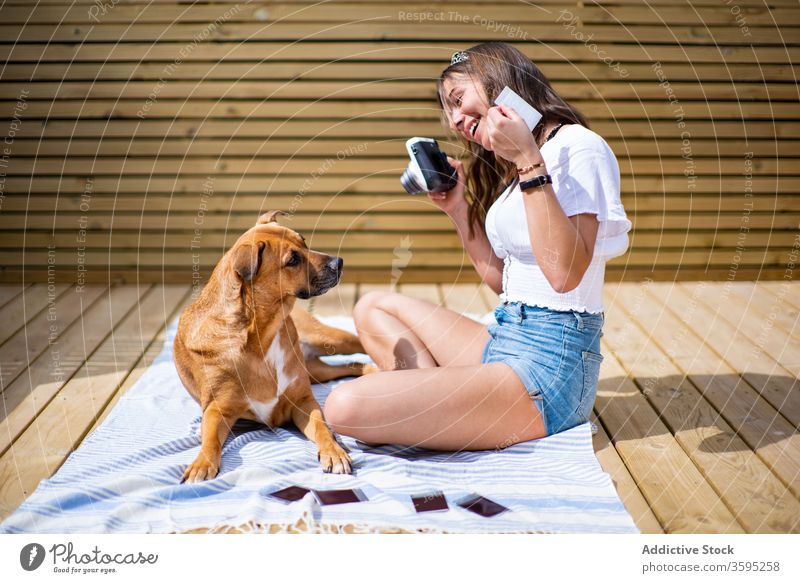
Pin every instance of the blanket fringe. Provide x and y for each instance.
(307, 525)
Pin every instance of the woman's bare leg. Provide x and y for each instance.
(449, 408)
(402, 332)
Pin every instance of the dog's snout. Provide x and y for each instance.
(335, 263)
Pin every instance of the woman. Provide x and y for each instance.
(448, 382)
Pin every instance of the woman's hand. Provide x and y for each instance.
(452, 201)
(510, 137)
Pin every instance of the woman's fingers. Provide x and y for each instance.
(458, 165)
(454, 163)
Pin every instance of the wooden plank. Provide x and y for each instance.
(617, 270)
(219, 240)
(768, 434)
(464, 298)
(100, 202)
(205, 259)
(397, 31)
(343, 243)
(364, 288)
(10, 291)
(759, 501)
(770, 187)
(308, 70)
(785, 291)
(22, 308)
(65, 421)
(752, 323)
(42, 334)
(422, 291)
(384, 51)
(675, 490)
(392, 219)
(638, 205)
(353, 11)
(338, 185)
(374, 120)
(337, 302)
(208, 258)
(154, 346)
(579, 93)
(221, 101)
(222, 239)
(299, 4)
(624, 483)
(354, 165)
(756, 366)
(256, 148)
(30, 393)
(769, 307)
(785, 287)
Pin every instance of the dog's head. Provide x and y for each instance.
(274, 262)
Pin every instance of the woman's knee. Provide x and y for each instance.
(367, 304)
(341, 411)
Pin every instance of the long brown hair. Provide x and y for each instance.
(495, 65)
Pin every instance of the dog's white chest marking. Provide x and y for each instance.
(263, 409)
(276, 357)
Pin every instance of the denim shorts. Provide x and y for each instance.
(556, 355)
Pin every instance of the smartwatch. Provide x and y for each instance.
(540, 180)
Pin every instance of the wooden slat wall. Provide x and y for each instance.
(140, 138)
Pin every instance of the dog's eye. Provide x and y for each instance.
(293, 260)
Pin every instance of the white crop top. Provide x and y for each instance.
(586, 180)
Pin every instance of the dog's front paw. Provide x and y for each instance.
(369, 368)
(334, 459)
(199, 470)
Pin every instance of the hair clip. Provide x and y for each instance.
(458, 57)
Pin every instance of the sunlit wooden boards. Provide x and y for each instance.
(143, 137)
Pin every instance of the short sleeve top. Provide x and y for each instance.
(586, 179)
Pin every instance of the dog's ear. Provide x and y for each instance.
(270, 217)
(246, 260)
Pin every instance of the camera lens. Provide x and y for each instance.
(410, 182)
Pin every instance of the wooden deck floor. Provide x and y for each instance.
(698, 406)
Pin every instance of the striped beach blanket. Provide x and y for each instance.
(125, 477)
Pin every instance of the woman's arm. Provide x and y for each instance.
(563, 245)
(454, 204)
(488, 265)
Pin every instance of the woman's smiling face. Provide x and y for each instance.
(467, 107)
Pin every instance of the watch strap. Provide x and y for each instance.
(539, 180)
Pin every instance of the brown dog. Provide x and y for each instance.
(238, 350)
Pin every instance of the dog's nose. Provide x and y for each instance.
(335, 263)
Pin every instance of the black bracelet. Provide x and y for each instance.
(540, 180)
